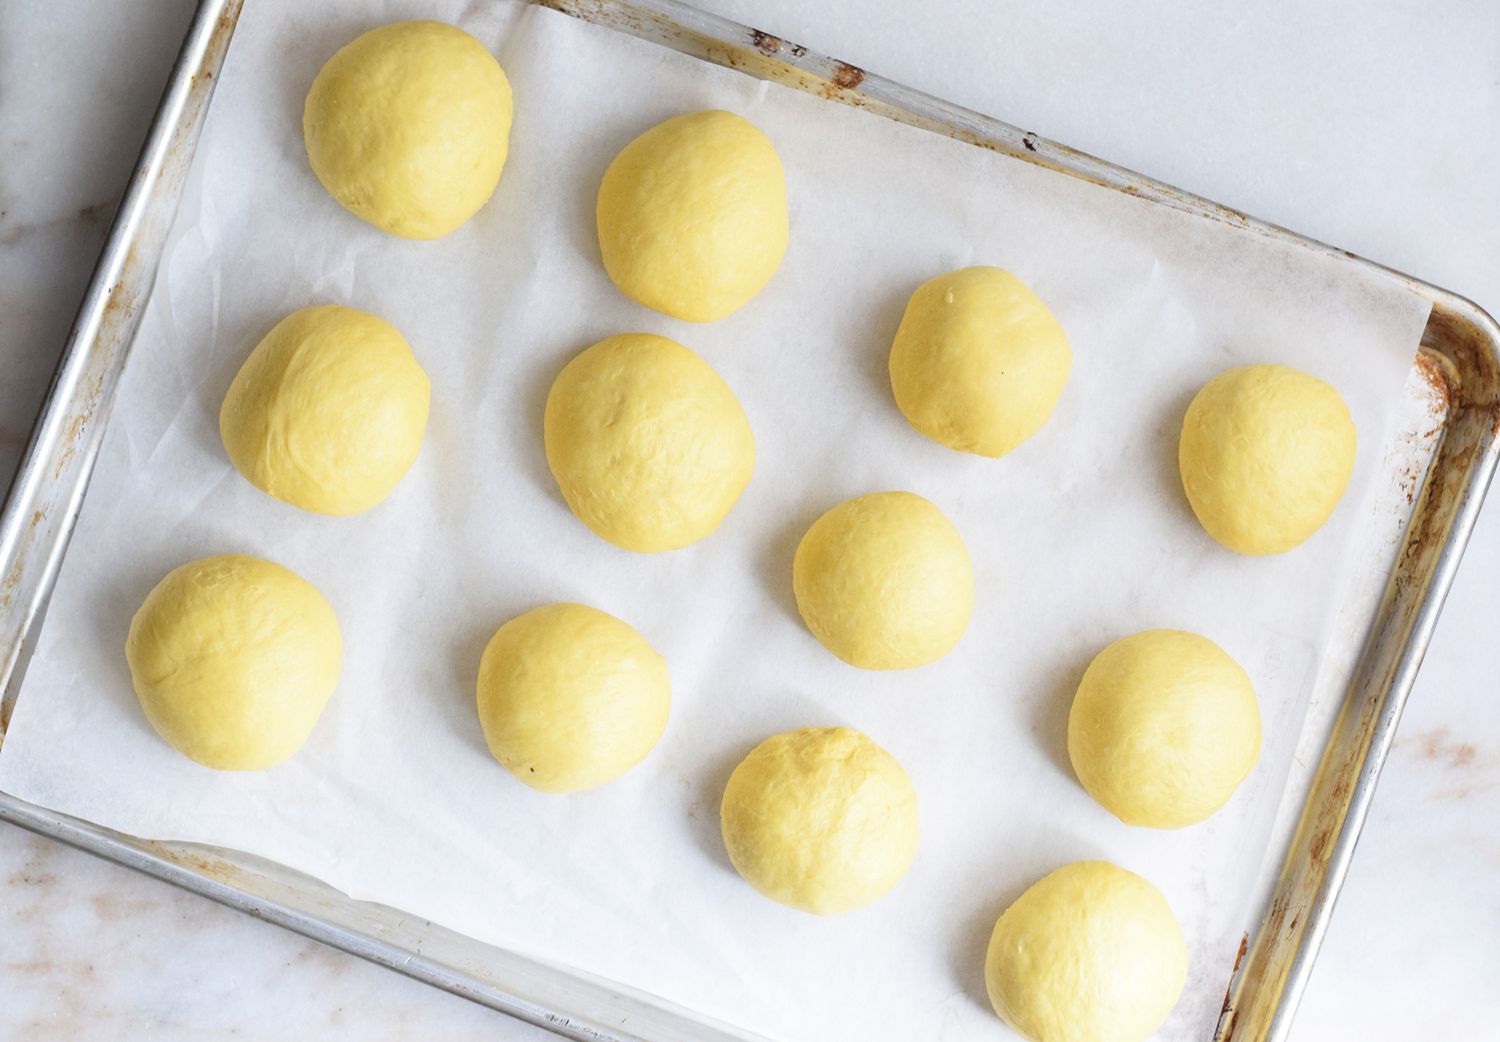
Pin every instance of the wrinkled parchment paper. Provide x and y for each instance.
(1079, 537)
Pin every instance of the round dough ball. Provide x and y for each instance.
(328, 411)
(408, 127)
(1265, 455)
(233, 659)
(1091, 953)
(1163, 728)
(821, 819)
(570, 697)
(884, 581)
(692, 215)
(649, 446)
(979, 362)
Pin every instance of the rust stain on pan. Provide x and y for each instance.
(1470, 352)
(1432, 374)
(765, 43)
(1229, 991)
(848, 77)
(203, 864)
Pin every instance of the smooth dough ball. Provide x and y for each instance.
(233, 659)
(1163, 728)
(979, 362)
(408, 127)
(649, 446)
(692, 215)
(884, 581)
(570, 697)
(328, 411)
(1265, 455)
(821, 819)
(1091, 953)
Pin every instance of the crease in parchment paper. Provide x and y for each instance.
(1079, 537)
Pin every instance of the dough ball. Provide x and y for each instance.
(979, 362)
(328, 411)
(408, 126)
(821, 819)
(1091, 953)
(1265, 455)
(570, 697)
(884, 581)
(1163, 728)
(692, 216)
(233, 659)
(649, 446)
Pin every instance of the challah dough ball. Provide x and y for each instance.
(233, 659)
(408, 127)
(328, 412)
(1091, 953)
(649, 446)
(979, 362)
(1164, 726)
(884, 581)
(1265, 455)
(692, 215)
(570, 697)
(821, 819)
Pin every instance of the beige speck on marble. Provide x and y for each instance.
(90, 951)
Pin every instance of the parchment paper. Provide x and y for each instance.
(1079, 537)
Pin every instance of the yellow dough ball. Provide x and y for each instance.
(821, 819)
(408, 127)
(649, 446)
(884, 581)
(570, 697)
(328, 412)
(1265, 456)
(692, 215)
(233, 659)
(979, 362)
(1164, 726)
(1091, 953)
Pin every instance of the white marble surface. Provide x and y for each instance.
(1374, 124)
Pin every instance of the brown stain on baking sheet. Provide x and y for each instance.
(847, 77)
(1471, 354)
(1234, 970)
(195, 860)
(765, 43)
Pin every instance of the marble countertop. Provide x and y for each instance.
(1372, 124)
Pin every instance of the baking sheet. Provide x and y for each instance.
(1079, 537)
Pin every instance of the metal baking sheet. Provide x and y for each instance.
(1437, 478)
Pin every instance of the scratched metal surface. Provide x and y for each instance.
(1438, 471)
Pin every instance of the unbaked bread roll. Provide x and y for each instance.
(1265, 455)
(692, 215)
(649, 446)
(408, 127)
(884, 581)
(328, 412)
(1091, 953)
(233, 659)
(1164, 727)
(570, 697)
(821, 819)
(979, 362)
